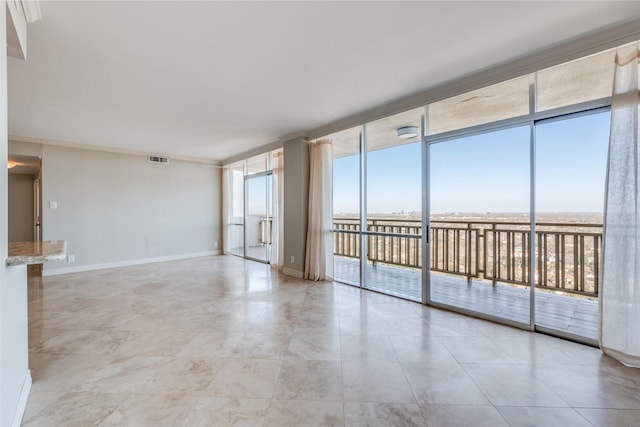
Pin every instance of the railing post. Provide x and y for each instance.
(468, 252)
(496, 266)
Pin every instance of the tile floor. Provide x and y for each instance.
(220, 341)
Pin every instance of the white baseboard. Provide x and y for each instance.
(22, 402)
(127, 263)
(294, 273)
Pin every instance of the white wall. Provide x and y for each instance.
(119, 209)
(21, 216)
(15, 379)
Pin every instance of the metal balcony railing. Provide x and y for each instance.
(567, 256)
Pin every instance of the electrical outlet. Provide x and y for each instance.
(293, 260)
(71, 258)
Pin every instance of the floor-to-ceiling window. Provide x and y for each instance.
(480, 223)
(487, 212)
(236, 215)
(480, 201)
(571, 157)
(346, 205)
(377, 196)
(393, 190)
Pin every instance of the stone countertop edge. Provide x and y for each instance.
(25, 253)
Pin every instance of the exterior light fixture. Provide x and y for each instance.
(11, 164)
(408, 132)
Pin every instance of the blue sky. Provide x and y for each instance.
(488, 172)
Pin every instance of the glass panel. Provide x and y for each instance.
(577, 81)
(571, 157)
(346, 205)
(258, 218)
(394, 201)
(257, 164)
(501, 101)
(236, 227)
(480, 223)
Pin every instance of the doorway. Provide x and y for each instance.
(258, 216)
(25, 202)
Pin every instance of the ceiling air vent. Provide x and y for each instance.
(158, 159)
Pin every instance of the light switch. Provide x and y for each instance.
(53, 205)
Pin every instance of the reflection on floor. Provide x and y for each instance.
(578, 316)
(220, 341)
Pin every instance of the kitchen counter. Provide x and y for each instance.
(25, 253)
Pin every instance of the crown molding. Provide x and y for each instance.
(79, 146)
(276, 145)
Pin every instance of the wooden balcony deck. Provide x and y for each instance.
(566, 313)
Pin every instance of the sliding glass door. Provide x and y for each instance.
(571, 157)
(480, 223)
(258, 217)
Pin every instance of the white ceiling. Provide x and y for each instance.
(212, 80)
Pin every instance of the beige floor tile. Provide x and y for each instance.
(422, 349)
(250, 378)
(151, 410)
(38, 401)
(154, 343)
(367, 347)
(180, 410)
(82, 341)
(262, 345)
(76, 409)
(415, 325)
(304, 413)
(364, 324)
(532, 349)
(443, 384)
(317, 324)
(462, 416)
(64, 372)
(314, 347)
(476, 350)
(375, 381)
(606, 387)
(512, 385)
(454, 326)
(309, 380)
(155, 374)
(611, 417)
(210, 344)
(222, 412)
(360, 414)
(548, 417)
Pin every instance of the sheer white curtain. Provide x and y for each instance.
(620, 290)
(277, 237)
(227, 194)
(319, 256)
